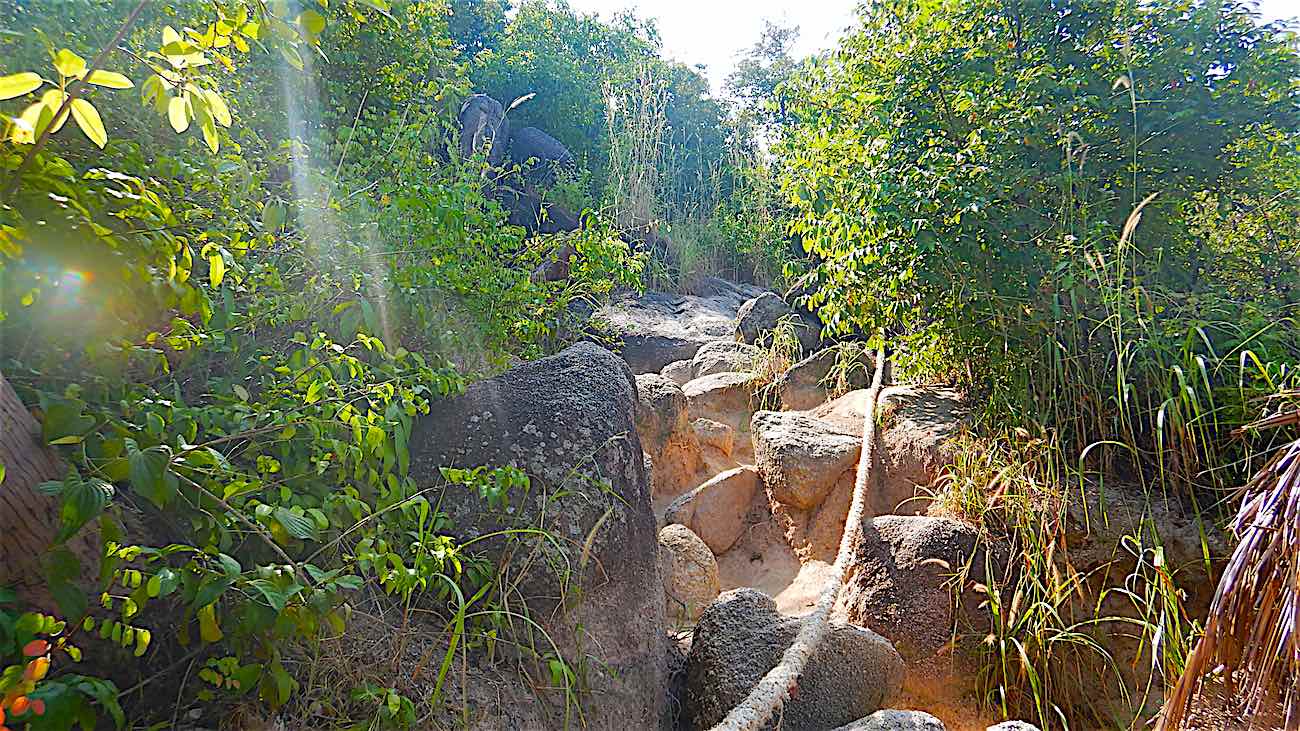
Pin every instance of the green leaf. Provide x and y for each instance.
(65, 424)
(82, 501)
(150, 476)
(312, 22)
(15, 85)
(142, 639)
(380, 5)
(273, 217)
(91, 124)
(217, 105)
(209, 627)
(298, 526)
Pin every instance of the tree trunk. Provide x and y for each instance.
(28, 519)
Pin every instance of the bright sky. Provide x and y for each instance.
(713, 32)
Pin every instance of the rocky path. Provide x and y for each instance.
(706, 495)
(752, 477)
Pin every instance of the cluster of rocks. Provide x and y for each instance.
(698, 360)
(646, 469)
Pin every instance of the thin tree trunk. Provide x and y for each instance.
(28, 519)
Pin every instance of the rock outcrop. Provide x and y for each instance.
(723, 397)
(716, 510)
(666, 434)
(916, 442)
(763, 314)
(690, 573)
(902, 569)
(807, 384)
(741, 636)
(679, 371)
(724, 356)
(891, 720)
(808, 468)
(568, 421)
(715, 434)
(656, 328)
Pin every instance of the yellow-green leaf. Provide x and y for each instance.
(178, 115)
(142, 639)
(34, 119)
(210, 135)
(15, 85)
(209, 628)
(217, 105)
(216, 268)
(90, 122)
(69, 64)
(170, 35)
(312, 22)
(109, 79)
(53, 98)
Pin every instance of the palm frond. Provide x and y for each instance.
(1252, 633)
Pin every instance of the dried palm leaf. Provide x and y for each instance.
(1253, 629)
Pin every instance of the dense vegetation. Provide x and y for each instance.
(1087, 212)
(239, 256)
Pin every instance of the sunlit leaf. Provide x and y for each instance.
(312, 22)
(109, 80)
(69, 64)
(216, 268)
(217, 105)
(178, 115)
(53, 98)
(15, 85)
(88, 119)
(209, 627)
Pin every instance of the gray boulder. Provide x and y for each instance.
(690, 573)
(902, 568)
(808, 383)
(808, 467)
(679, 372)
(758, 317)
(741, 636)
(801, 457)
(567, 421)
(657, 328)
(724, 356)
(917, 440)
(892, 720)
(723, 397)
(483, 127)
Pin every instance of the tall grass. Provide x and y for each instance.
(636, 119)
(1132, 380)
